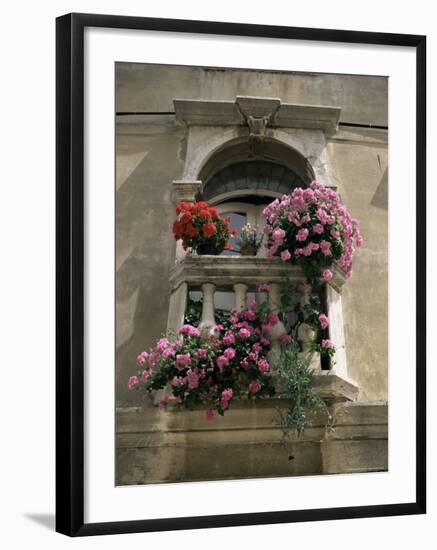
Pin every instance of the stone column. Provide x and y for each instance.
(278, 329)
(207, 321)
(336, 331)
(240, 290)
(176, 309)
(307, 335)
(184, 190)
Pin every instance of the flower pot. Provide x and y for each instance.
(208, 248)
(248, 250)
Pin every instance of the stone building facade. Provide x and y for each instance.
(239, 138)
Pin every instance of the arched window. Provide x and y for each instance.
(243, 189)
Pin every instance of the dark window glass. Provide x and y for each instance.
(237, 221)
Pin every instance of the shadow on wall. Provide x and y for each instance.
(380, 198)
(144, 247)
(140, 318)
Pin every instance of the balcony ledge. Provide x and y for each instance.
(224, 271)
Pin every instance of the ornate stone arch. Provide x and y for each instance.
(221, 133)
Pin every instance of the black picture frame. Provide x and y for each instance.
(70, 273)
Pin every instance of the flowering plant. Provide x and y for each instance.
(249, 239)
(311, 227)
(231, 362)
(199, 224)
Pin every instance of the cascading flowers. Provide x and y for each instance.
(312, 228)
(212, 371)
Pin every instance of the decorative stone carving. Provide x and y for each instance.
(185, 190)
(258, 113)
(257, 134)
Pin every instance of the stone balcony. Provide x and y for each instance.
(240, 274)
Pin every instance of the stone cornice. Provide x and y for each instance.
(245, 110)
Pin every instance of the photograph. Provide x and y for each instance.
(251, 273)
(216, 275)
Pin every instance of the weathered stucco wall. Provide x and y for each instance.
(152, 88)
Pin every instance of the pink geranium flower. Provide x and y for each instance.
(285, 339)
(327, 344)
(285, 255)
(228, 338)
(263, 365)
(222, 362)
(192, 379)
(229, 353)
(254, 386)
(302, 235)
(244, 333)
(324, 321)
(273, 318)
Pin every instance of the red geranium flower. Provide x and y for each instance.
(186, 217)
(209, 229)
(190, 230)
(183, 207)
(204, 214)
(177, 229)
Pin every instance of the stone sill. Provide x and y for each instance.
(244, 412)
(334, 389)
(224, 271)
(349, 421)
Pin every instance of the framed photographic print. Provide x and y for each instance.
(240, 274)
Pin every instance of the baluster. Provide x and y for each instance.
(307, 335)
(240, 290)
(207, 321)
(278, 330)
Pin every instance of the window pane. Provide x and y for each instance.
(237, 220)
(224, 300)
(259, 297)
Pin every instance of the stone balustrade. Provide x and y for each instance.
(236, 274)
(243, 274)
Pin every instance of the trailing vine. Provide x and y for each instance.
(296, 380)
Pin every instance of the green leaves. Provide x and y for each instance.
(296, 378)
